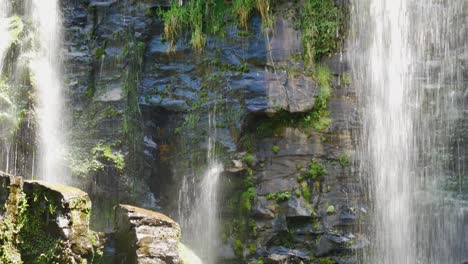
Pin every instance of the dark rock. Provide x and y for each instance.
(330, 243)
(279, 255)
(298, 208)
(264, 208)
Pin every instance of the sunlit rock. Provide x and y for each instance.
(144, 236)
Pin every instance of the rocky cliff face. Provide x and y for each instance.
(141, 116)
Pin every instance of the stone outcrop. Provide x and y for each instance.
(45, 222)
(65, 213)
(146, 237)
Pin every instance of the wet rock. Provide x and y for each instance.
(264, 208)
(298, 208)
(144, 236)
(330, 243)
(67, 212)
(285, 255)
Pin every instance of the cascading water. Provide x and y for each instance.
(45, 65)
(30, 51)
(5, 35)
(198, 203)
(407, 59)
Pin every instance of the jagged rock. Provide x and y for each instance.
(279, 255)
(297, 208)
(330, 243)
(144, 236)
(264, 208)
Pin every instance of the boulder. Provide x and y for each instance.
(143, 236)
(63, 213)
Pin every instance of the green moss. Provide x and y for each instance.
(249, 159)
(299, 166)
(316, 171)
(239, 249)
(11, 224)
(104, 154)
(279, 196)
(326, 260)
(37, 245)
(344, 160)
(247, 198)
(346, 79)
(252, 248)
(330, 209)
(16, 28)
(305, 191)
(298, 193)
(275, 149)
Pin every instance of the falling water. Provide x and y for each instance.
(5, 35)
(198, 203)
(45, 66)
(408, 59)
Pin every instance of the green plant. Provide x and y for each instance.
(239, 249)
(247, 198)
(330, 209)
(249, 159)
(275, 149)
(344, 161)
(305, 191)
(321, 24)
(326, 260)
(316, 170)
(346, 79)
(175, 19)
(104, 153)
(252, 248)
(279, 196)
(243, 9)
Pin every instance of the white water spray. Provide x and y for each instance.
(198, 204)
(402, 54)
(5, 35)
(45, 66)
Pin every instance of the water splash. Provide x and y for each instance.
(198, 203)
(5, 35)
(407, 60)
(45, 65)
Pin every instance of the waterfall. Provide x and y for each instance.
(407, 58)
(198, 203)
(45, 66)
(5, 36)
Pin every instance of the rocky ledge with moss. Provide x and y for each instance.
(42, 222)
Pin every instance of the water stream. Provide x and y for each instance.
(45, 66)
(198, 203)
(30, 54)
(408, 59)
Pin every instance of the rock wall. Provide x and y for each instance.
(142, 114)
